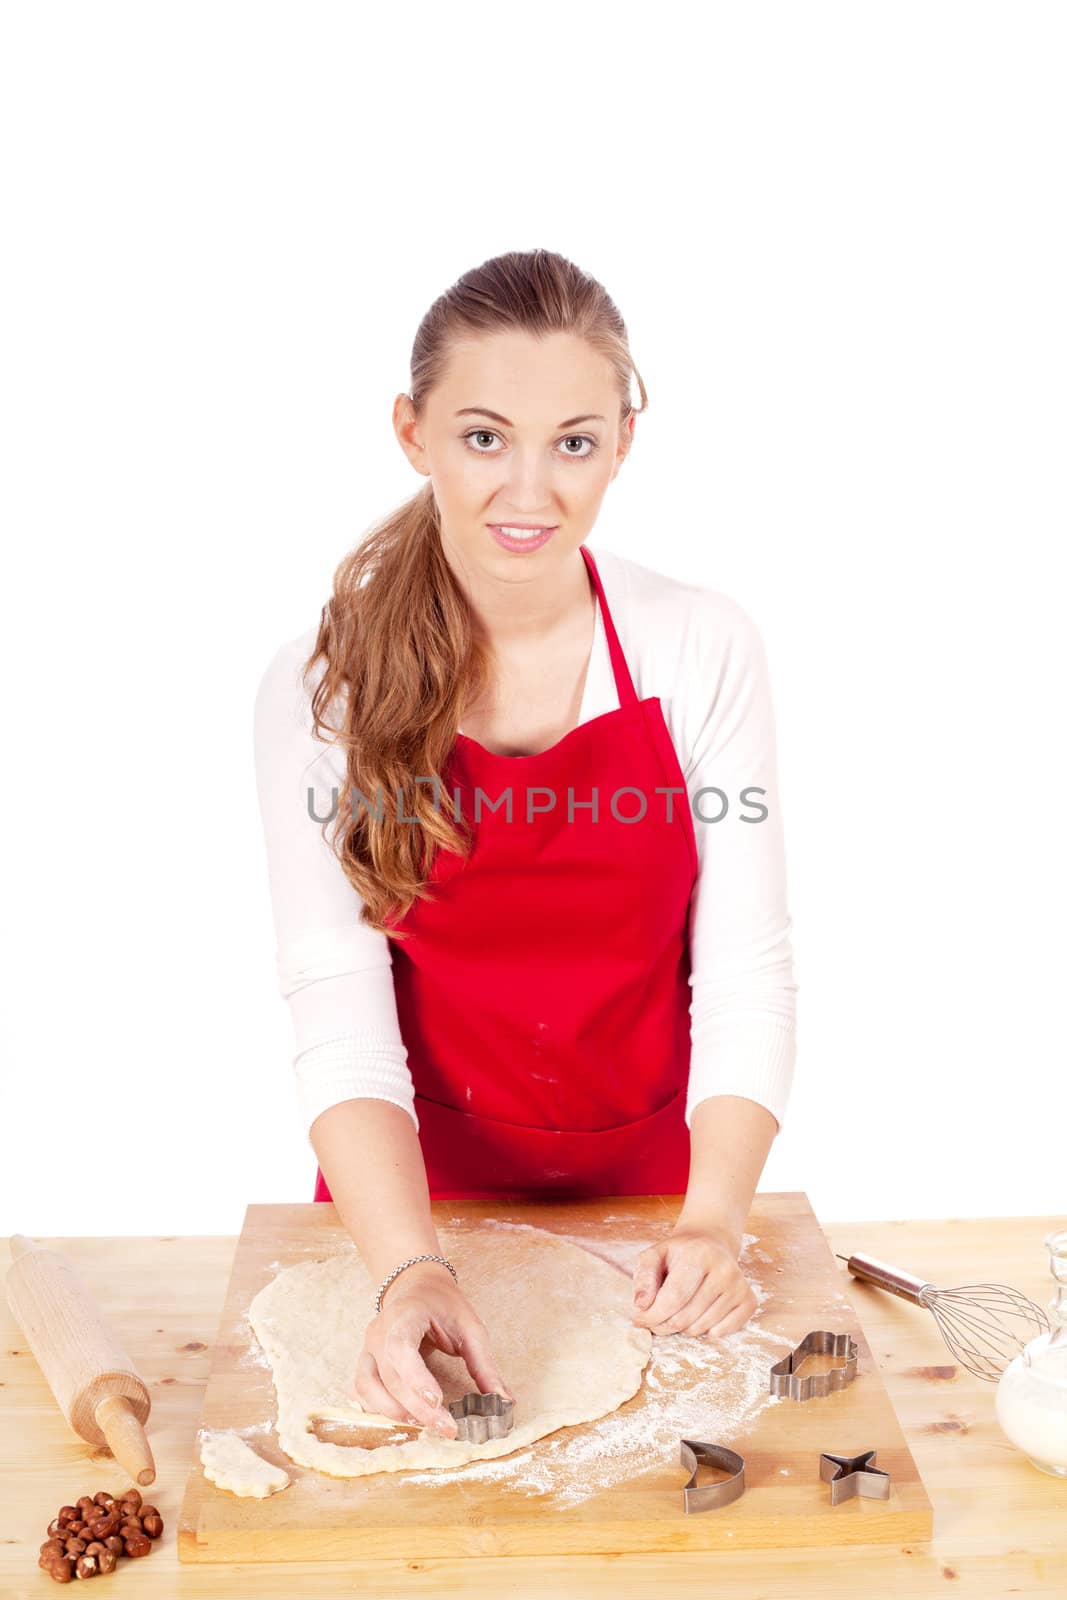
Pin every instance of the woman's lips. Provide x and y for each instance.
(507, 541)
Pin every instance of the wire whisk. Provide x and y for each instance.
(974, 1320)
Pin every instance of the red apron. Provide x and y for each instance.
(543, 996)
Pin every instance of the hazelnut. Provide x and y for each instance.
(132, 1496)
(105, 1525)
(107, 1560)
(115, 1544)
(103, 1497)
(85, 1501)
(62, 1570)
(77, 1525)
(57, 1529)
(138, 1544)
(67, 1513)
(86, 1567)
(52, 1547)
(95, 1548)
(153, 1525)
(75, 1547)
(131, 1526)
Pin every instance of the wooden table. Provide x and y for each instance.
(1001, 1526)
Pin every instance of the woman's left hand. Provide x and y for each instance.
(691, 1283)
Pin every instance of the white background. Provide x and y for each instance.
(836, 233)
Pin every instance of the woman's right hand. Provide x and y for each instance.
(423, 1304)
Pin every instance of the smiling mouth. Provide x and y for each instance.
(519, 529)
(519, 538)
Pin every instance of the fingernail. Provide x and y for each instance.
(431, 1398)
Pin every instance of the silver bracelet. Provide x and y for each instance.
(410, 1262)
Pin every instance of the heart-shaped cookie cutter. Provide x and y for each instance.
(820, 1342)
(482, 1416)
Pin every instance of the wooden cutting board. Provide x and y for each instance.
(469, 1513)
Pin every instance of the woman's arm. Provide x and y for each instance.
(743, 1006)
(369, 1153)
(691, 1281)
(743, 1001)
(371, 1159)
(730, 1139)
(354, 1084)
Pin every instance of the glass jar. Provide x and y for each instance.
(1031, 1399)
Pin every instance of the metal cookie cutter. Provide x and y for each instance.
(709, 1495)
(482, 1416)
(820, 1342)
(852, 1475)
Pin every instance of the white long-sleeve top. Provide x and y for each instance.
(703, 656)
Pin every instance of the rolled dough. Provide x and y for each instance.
(559, 1326)
(232, 1464)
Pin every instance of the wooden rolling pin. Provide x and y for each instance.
(101, 1395)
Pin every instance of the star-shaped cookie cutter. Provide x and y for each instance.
(852, 1475)
(784, 1379)
(709, 1495)
(482, 1416)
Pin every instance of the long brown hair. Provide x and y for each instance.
(399, 634)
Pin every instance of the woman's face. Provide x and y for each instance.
(519, 431)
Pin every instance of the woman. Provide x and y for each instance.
(530, 891)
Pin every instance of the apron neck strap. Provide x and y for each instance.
(624, 684)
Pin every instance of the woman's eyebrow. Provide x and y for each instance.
(483, 411)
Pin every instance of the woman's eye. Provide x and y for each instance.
(481, 434)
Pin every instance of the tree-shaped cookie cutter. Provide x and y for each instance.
(482, 1416)
(784, 1379)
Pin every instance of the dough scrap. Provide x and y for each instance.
(559, 1324)
(232, 1464)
